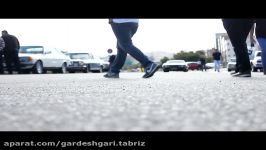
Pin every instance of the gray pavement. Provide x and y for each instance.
(174, 101)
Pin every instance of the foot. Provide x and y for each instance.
(150, 70)
(235, 72)
(111, 75)
(243, 74)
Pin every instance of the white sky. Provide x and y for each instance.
(95, 35)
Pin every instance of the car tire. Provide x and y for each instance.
(38, 68)
(166, 70)
(101, 69)
(63, 69)
(254, 69)
(87, 69)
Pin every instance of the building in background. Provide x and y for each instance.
(223, 44)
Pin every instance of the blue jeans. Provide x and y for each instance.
(124, 32)
(217, 65)
(262, 42)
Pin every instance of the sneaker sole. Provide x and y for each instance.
(242, 76)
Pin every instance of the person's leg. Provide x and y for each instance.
(8, 60)
(215, 65)
(238, 30)
(124, 32)
(1, 63)
(261, 37)
(218, 65)
(119, 60)
(16, 62)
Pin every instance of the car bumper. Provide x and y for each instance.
(26, 66)
(175, 68)
(76, 68)
(258, 65)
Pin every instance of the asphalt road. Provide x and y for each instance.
(174, 101)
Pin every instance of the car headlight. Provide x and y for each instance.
(26, 59)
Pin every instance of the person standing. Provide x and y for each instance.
(124, 30)
(217, 60)
(238, 30)
(2, 46)
(203, 63)
(11, 51)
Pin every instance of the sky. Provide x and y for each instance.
(96, 35)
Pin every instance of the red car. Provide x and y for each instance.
(193, 65)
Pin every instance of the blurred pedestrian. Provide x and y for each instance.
(124, 30)
(2, 46)
(203, 63)
(217, 60)
(238, 30)
(11, 51)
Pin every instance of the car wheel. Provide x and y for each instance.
(63, 68)
(87, 69)
(166, 70)
(38, 67)
(254, 69)
(228, 70)
(101, 69)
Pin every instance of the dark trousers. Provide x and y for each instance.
(12, 58)
(124, 32)
(238, 30)
(1, 63)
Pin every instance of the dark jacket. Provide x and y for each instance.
(11, 44)
(216, 56)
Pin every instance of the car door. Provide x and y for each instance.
(48, 59)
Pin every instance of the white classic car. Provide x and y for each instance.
(39, 59)
(175, 65)
(84, 62)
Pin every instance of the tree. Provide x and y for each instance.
(187, 56)
(164, 59)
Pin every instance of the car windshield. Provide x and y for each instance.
(31, 49)
(79, 56)
(175, 61)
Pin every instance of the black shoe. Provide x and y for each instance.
(150, 70)
(243, 74)
(111, 75)
(233, 73)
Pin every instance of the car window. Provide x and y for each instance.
(31, 49)
(79, 56)
(175, 61)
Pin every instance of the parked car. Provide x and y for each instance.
(255, 61)
(104, 64)
(175, 65)
(193, 65)
(209, 65)
(39, 59)
(84, 62)
(231, 65)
